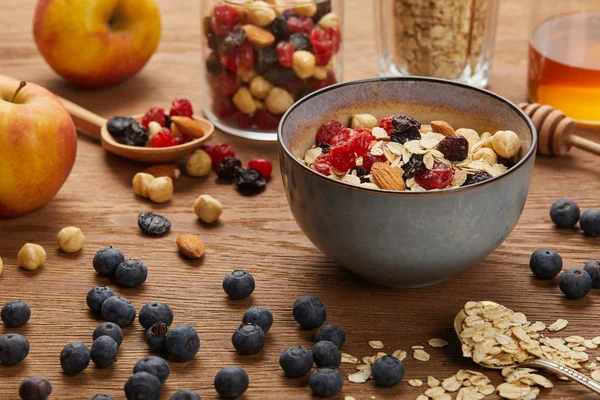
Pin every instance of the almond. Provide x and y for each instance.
(170, 170)
(387, 177)
(188, 126)
(259, 36)
(442, 127)
(190, 246)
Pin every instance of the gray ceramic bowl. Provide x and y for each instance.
(404, 239)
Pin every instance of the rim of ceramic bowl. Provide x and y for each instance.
(514, 107)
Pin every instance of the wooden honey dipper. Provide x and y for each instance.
(556, 131)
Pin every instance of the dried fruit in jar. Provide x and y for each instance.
(153, 224)
(224, 19)
(234, 39)
(279, 28)
(249, 179)
(301, 41)
(267, 58)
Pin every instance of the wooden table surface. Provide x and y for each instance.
(259, 234)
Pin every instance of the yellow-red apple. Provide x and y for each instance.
(96, 43)
(38, 144)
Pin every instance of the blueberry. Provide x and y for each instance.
(104, 351)
(155, 312)
(326, 382)
(107, 260)
(102, 397)
(326, 354)
(238, 284)
(96, 297)
(590, 222)
(109, 329)
(593, 269)
(309, 312)
(182, 343)
(575, 283)
(248, 339)
(119, 310)
(185, 394)
(296, 361)
(153, 365)
(35, 388)
(387, 371)
(259, 316)
(131, 273)
(14, 348)
(231, 382)
(15, 313)
(331, 332)
(74, 358)
(545, 263)
(564, 213)
(156, 337)
(142, 386)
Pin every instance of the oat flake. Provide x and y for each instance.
(558, 325)
(437, 342)
(361, 376)
(415, 382)
(376, 344)
(421, 355)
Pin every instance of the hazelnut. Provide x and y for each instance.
(207, 208)
(259, 87)
(506, 143)
(161, 189)
(199, 164)
(246, 75)
(153, 128)
(141, 183)
(259, 104)
(70, 239)
(31, 256)
(243, 101)
(261, 13)
(487, 155)
(320, 73)
(329, 20)
(305, 8)
(366, 121)
(278, 101)
(303, 64)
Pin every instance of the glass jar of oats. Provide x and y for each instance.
(450, 39)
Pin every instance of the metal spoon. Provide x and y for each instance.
(549, 365)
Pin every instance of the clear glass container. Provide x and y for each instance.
(564, 58)
(259, 58)
(450, 39)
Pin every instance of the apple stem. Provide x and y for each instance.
(21, 86)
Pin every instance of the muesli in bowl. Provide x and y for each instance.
(399, 153)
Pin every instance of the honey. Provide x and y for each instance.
(564, 65)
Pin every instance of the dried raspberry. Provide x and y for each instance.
(235, 38)
(300, 24)
(342, 157)
(245, 56)
(343, 137)
(181, 107)
(477, 177)
(285, 52)
(164, 138)
(266, 121)
(439, 177)
(156, 114)
(405, 129)
(265, 167)
(386, 124)
(320, 40)
(370, 159)
(224, 20)
(328, 130)
(219, 152)
(336, 38)
(454, 148)
(413, 166)
(226, 84)
(360, 142)
(323, 164)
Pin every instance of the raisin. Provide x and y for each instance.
(153, 224)
(325, 147)
(301, 41)
(235, 38)
(361, 173)
(213, 42)
(506, 162)
(413, 166)
(227, 167)
(454, 148)
(249, 179)
(323, 8)
(267, 58)
(405, 129)
(279, 75)
(118, 125)
(213, 64)
(279, 28)
(477, 177)
(127, 131)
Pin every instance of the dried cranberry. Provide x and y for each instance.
(301, 41)
(454, 148)
(386, 124)
(225, 18)
(413, 166)
(370, 159)
(361, 172)
(279, 28)
(336, 38)
(285, 51)
(294, 87)
(266, 121)
(223, 107)
(477, 177)
(264, 166)
(235, 38)
(342, 157)
(300, 24)
(155, 114)
(322, 59)
(328, 130)
(320, 40)
(227, 167)
(181, 107)
(439, 177)
(405, 129)
(361, 142)
(245, 56)
(249, 179)
(226, 83)
(229, 60)
(323, 164)
(164, 138)
(325, 147)
(267, 59)
(343, 137)
(219, 152)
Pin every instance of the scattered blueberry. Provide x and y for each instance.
(14, 348)
(182, 343)
(74, 358)
(545, 263)
(590, 222)
(248, 339)
(387, 371)
(238, 284)
(564, 213)
(131, 273)
(296, 361)
(102, 397)
(156, 337)
(109, 329)
(185, 394)
(143, 386)
(309, 312)
(104, 351)
(35, 388)
(96, 297)
(15, 313)
(575, 283)
(119, 310)
(107, 260)
(231, 382)
(156, 366)
(331, 332)
(326, 382)
(155, 312)
(259, 316)
(593, 269)
(326, 354)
